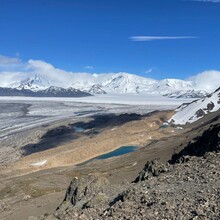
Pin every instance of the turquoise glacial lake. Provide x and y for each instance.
(118, 152)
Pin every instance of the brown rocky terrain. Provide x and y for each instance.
(29, 188)
(186, 188)
(63, 146)
(27, 191)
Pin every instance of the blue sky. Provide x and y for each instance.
(96, 35)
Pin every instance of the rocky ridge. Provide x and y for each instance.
(52, 91)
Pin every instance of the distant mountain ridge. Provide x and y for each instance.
(112, 83)
(49, 92)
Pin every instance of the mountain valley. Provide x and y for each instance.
(166, 154)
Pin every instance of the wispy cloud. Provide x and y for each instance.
(11, 63)
(89, 67)
(4, 60)
(213, 1)
(148, 71)
(153, 38)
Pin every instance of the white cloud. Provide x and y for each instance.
(89, 67)
(207, 80)
(153, 38)
(6, 61)
(39, 67)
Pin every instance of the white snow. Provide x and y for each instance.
(39, 163)
(127, 99)
(188, 113)
(111, 83)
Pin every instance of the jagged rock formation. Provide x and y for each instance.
(83, 193)
(152, 169)
(92, 193)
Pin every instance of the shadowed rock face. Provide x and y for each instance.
(152, 169)
(209, 141)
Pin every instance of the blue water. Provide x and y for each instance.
(79, 129)
(118, 152)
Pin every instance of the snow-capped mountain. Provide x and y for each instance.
(187, 94)
(34, 83)
(101, 83)
(127, 83)
(171, 85)
(188, 113)
(96, 89)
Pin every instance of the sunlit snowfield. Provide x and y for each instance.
(18, 113)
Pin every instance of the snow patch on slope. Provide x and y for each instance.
(39, 163)
(188, 113)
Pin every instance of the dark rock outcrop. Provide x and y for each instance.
(152, 168)
(83, 193)
(209, 141)
(49, 92)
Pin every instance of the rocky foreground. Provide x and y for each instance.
(186, 187)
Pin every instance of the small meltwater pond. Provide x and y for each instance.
(118, 152)
(79, 129)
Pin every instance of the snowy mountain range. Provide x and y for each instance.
(188, 113)
(115, 83)
(49, 92)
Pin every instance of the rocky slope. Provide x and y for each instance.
(185, 188)
(188, 113)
